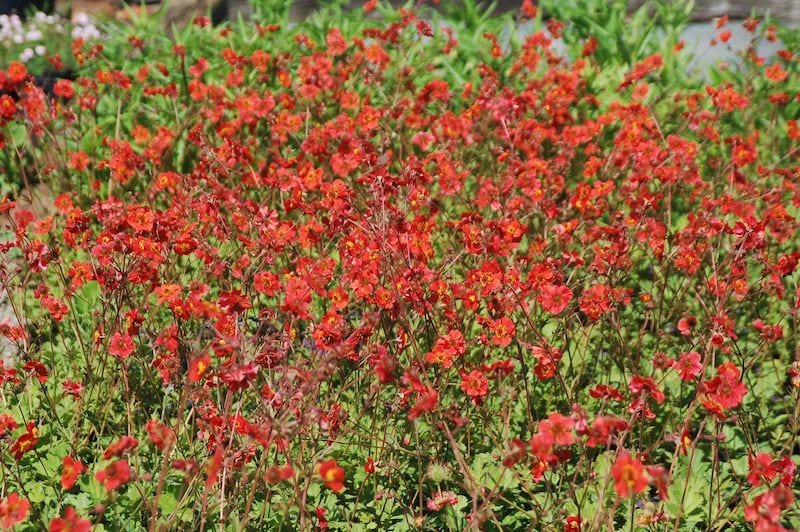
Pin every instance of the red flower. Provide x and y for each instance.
(369, 467)
(725, 389)
(573, 524)
(689, 366)
(70, 472)
(332, 475)
(71, 522)
(558, 429)
(115, 475)
(630, 477)
(64, 89)
(26, 441)
(441, 499)
(761, 468)
(595, 301)
(121, 346)
(75, 389)
(160, 434)
(554, 298)
(502, 331)
(120, 447)
(13, 510)
(474, 384)
(7, 424)
(275, 474)
(198, 367)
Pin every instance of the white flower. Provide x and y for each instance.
(33, 35)
(40, 50)
(26, 55)
(81, 19)
(19, 39)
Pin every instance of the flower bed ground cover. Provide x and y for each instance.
(396, 272)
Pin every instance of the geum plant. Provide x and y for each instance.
(347, 274)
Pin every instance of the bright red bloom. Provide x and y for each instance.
(725, 389)
(13, 510)
(447, 348)
(761, 468)
(7, 424)
(64, 89)
(554, 298)
(276, 473)
(572, 524)
(474, 384)
(502, 331)
(332, 475)
(121, 346)
(160, 434)
(689, 366)
(70, 472)
(595, 301)
(198, 367)
(630, 477)
(120, 447)
(558, 428)
(115, 475)
(369, 467)
(26, 441)
(71, 522)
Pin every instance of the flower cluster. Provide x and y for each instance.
(316, 278)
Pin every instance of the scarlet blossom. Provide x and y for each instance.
(761, 468)
(276, 473)
(120, 447)
(369, 466)
(502, 331)
(38, 368)
(120, 346)
(640, 386)
(239, 377)
(115, 475)
(725, 389)
(595, 301)
(630, 477)
(26, 441)
(70, 471)
(573, 524)
(17, 73)
(558, 428)
(13, 510)
(71, 522)
(689, 366)
(426, 402)
(7, 424)
(75, 389)
(332, 475)
(474, 384)
(161, 435)
(64, 89)
(214, 466)
(447, 348)
(198, 367)
(554, 298)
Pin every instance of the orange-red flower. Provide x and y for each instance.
(630, 475)
(115, 475)
(71, 522)
(26, 441)
(13, 510)
(332, 475)
(70, 471)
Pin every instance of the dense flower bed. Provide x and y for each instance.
(352, 275)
